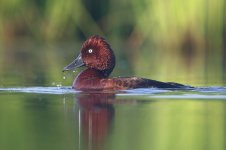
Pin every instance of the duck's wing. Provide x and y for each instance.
(135, 82)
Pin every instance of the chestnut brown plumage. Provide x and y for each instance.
(97, 55)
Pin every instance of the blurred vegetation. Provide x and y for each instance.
(182, 41)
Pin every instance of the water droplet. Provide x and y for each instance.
(64, 77)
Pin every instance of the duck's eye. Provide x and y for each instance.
(90, 51)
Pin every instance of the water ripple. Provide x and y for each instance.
(192, 93)
(39, 90)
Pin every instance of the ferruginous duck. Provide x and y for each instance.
(96, 54)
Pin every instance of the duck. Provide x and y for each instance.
(98, 57)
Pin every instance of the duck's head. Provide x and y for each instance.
(96, 54)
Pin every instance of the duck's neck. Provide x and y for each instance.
(93, 73)
(106, 73)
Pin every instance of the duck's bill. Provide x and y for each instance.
(75, 64)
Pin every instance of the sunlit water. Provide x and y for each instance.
(61, 118)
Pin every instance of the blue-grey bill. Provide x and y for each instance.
(75, 64)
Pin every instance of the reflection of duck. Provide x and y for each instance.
(96, 115)
(97, 55)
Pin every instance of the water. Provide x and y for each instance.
(61, 118)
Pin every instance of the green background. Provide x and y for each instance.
(174, 40)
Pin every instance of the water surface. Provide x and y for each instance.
(61, 118)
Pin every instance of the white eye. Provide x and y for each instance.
(90, 51)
